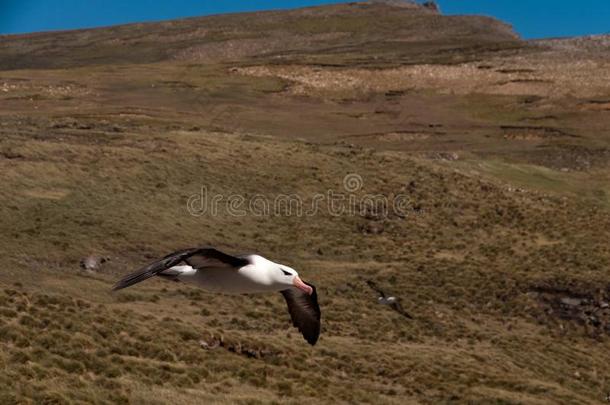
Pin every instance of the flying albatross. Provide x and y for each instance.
(390, 301)
(216, 271)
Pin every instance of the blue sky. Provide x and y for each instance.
(531, 18)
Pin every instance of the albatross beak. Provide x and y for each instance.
(298, 283)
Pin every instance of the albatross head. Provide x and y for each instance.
(286, 276)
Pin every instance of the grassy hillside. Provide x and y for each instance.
(344, 34)
(497, 148)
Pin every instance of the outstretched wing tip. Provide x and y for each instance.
(304, 312)
(117, 286)
(173, 259)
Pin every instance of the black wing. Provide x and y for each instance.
(398, 308)
(196, 257)
(375, 288)
(209, 257)
(304, 311)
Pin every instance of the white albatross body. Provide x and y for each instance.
(254, 277)
(215, 271)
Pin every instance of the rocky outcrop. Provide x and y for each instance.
(432, 5)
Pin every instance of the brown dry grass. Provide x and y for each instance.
(477, 334)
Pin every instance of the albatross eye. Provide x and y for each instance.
(286, 273)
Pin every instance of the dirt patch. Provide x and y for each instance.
(553, 78)
(593, 43)
(449, 255)
(596, 105)
(533, 133)
(403, 136)
(569, 157)
(24, 89)
(46, 194)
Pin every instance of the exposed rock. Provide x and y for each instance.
(213, 344)
(432, 5)
(397, 3)
(372, 228)
(577, 305)
(448, 156)
(236, 347)
(93, 262)
(571, 302)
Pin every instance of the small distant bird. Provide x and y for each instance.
(216, 271)
(391, 301)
